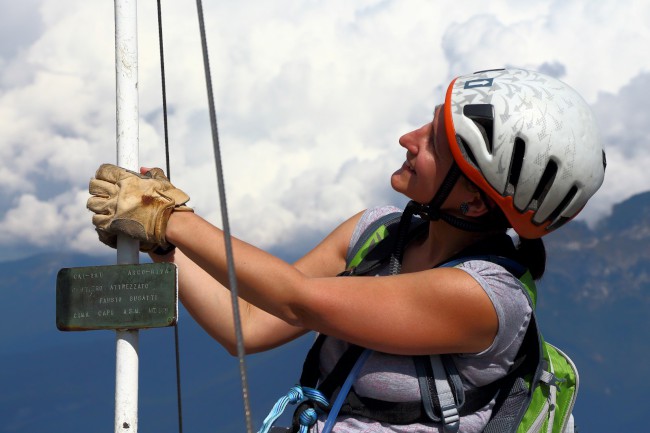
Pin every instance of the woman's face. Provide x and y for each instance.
(428, 159)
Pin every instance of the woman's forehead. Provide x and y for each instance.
(437, 135)
(438, 114)
(437, 121)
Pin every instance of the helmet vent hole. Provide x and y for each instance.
(560, 208)
(544, 185)
(516, 163)
(483, 117)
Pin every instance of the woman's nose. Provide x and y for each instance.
(408, 141)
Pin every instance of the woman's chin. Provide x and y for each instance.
(395, 181)
(402, 176)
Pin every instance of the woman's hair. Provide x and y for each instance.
(531, 253)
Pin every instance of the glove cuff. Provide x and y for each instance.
(164, 250)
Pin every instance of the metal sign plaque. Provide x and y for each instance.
(117, 297)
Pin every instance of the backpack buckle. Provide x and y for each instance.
(450, 418)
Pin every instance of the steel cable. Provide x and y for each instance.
(232, 280)
(224, 215)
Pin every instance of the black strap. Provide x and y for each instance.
(403, 230)
(334, 380)
(430, 402)
(310, 372)
(433, 211)
(382, 251)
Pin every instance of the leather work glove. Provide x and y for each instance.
(125, 202)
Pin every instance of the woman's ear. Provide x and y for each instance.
(474, 208)
(477, 205)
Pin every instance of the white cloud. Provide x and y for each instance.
(598, 42)
(33, 225)
(311, 99)
(624, 125)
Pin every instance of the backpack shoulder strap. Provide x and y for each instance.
(373, 234)
(377, 242)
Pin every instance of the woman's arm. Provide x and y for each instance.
(434, 311)
(210, 303)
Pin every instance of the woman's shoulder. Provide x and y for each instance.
(504, 288)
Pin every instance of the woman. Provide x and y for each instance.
(508, 148)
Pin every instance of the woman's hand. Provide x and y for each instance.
(136, 205)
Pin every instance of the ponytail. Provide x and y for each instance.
(529, 252)
(532, 254)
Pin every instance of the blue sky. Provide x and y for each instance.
(311, 97)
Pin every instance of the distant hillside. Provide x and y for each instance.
(593, 302)
(609, 263)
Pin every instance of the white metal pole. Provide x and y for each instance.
(126, 68)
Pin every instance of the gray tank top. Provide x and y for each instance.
(393, 377)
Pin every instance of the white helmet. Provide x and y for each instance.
(529, 141)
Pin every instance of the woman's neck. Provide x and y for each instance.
(442, 242)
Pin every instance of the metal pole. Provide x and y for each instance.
(126, 68)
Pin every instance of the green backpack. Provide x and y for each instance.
(539, 392)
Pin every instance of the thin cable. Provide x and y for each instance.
(226, 227)
(178, 379)
(164, 92)
(164, 103)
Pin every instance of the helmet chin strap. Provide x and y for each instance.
(433, 212)
(430, 212)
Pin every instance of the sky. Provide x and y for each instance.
(311, 99)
